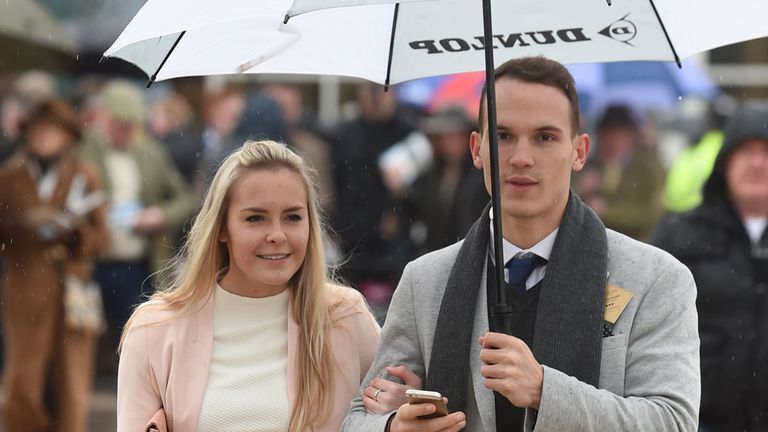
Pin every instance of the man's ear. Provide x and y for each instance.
(475, 141)
(582, 151)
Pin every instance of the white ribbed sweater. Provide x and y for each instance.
(247, 390)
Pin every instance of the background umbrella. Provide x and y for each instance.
(422, 39)
(432, 93)
(30, 37)
(643, 86)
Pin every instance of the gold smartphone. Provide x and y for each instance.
(432, 397)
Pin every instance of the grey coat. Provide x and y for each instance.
(649, 374)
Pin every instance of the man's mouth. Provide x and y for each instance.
(520, 181)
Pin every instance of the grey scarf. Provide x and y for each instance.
(569, 322)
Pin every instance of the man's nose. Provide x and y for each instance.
(520, 154)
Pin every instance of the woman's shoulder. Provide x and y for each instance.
(344, 302)
(159, 313)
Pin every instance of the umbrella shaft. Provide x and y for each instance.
(493, 142)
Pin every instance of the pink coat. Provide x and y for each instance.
(165, 360)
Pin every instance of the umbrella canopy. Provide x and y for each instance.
(389, 43)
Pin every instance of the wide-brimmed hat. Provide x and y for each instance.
(57, 111)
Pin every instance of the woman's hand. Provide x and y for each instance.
(383, 396)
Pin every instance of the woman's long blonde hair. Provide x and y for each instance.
(189, 278)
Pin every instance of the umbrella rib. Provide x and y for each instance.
(154, 75)
(391, 46)
(666, 34)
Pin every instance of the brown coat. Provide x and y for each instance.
(37, 343)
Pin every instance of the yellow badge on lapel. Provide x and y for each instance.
(616, 299)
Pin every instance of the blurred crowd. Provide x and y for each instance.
(397, 181)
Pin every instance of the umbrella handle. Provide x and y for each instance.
(501, 318)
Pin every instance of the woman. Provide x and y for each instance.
(249, 335)
(52, 225)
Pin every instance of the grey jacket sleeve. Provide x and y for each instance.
(399, 345)
(662, 378)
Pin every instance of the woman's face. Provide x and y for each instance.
(266, 232)
(46, 139)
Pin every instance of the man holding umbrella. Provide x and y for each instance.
(603, 330)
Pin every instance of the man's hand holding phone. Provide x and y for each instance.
(426, 411)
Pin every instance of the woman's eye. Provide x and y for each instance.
(254, 218)
(294, 218)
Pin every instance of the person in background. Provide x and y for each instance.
(724, 242)
(27, 91)
(692, 167)
(222, 113)
(302, 134)
(368, 214)
(52, 226)
(267, 341)
(148, 199)
(446, 199)
(171, 123)
(624, 181)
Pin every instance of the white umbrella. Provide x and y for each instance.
(389, 41)
(426, 38)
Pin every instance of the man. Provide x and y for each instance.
(445, 200)
(148, 200)
(574, 361)
(725, 244)
(222, 113)
(623, 183)
(368, 209)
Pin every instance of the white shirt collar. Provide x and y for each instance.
(543, 248)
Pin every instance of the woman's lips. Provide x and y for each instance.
(274, 257)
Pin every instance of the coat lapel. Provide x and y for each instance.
(195, 367)
(485, 403)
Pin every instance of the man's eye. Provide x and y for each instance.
(503, 136)
(547, 137)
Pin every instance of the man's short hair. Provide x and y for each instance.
(538, 70)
